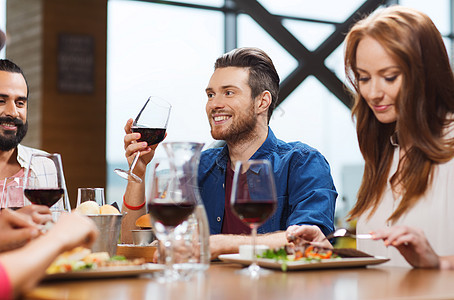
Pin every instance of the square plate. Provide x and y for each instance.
(305, 265)
(107, 272)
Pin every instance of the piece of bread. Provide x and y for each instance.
(144, 221)
(88, 208)
(108, 210)
(77, 253)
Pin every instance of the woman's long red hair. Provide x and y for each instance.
(424, 104)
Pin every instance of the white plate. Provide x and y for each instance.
(106, 272)
(303, 265)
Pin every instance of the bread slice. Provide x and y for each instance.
(144, 222)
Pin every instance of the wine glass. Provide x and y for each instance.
(45, 183)
(253, 200)
(168, 205)
(90, 194)
(151, 123)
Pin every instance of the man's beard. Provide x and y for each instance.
(10, 139)
(240, 130)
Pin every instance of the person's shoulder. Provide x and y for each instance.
(208, 157)
(29, 150)
(298, 153)
(210, 153)
(296, 147)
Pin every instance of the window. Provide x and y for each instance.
(169, 50)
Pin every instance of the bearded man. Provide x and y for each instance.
(242, 93)
(14, 157)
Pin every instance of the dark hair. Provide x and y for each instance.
(262, 74)
(8, 66)
(424, 107)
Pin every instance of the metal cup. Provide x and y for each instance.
(142, 237)
(109, 227)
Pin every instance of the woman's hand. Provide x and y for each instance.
(411, 243)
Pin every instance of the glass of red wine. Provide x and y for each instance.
(44, 183)
(151, 123)
(253, 200)
(169, 205)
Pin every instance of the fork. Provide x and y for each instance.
(342, 232)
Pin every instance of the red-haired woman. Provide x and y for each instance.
(403, 84)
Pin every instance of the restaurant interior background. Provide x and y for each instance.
(167, 49)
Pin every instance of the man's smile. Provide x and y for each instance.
(8, 125)
(220, 119)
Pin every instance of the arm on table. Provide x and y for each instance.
(230, 243)
(25, 266)
(447, 262)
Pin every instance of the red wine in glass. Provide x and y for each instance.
(150, 135)
(151, 123)
(44, 196)
(254, 213)
(253, 200)
(170, 214)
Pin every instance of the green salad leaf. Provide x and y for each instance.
(118, 258)
(280, 255)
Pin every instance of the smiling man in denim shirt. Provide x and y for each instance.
(242, 94)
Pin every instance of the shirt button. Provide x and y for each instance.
(223, 186)
(219, 219)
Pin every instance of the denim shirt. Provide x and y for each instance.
(305, 188)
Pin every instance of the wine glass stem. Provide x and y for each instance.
(254, 254)
(168, 257)
(134, 162)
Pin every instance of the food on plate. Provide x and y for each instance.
(309, 253)
(81, 258)
(144, 222)
(314, 252)
(88, 208)
(108, 210)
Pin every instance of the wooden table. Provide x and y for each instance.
(220, 282)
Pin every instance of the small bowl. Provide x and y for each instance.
(142, 237)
